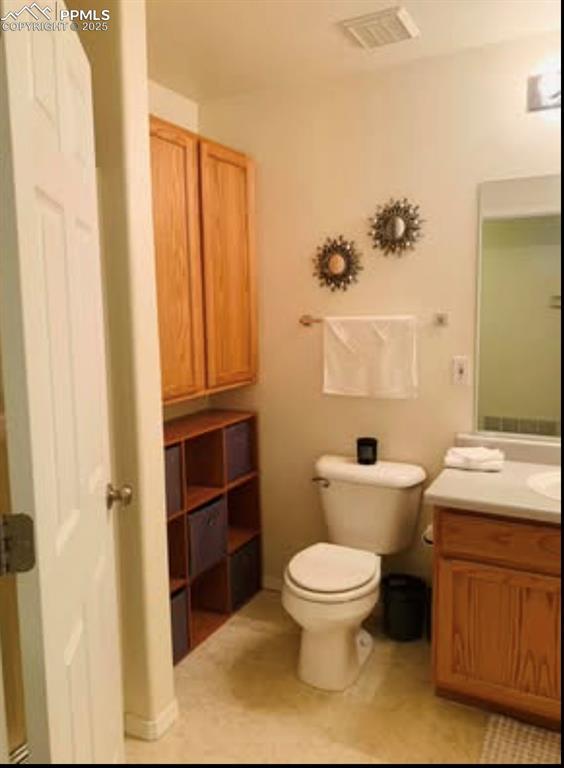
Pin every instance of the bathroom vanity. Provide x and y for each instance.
(496, 611)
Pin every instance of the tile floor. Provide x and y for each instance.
(240, 702)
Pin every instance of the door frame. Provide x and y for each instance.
(4, 754)
(19, 754)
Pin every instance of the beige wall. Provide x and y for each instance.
(172, 106)
(326, 156)
(519, 331)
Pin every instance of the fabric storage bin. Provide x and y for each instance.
(207, 536)
(244, 573)
(173, 479)
(179, 621)
(239, 450)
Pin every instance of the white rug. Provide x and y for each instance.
(510, 742)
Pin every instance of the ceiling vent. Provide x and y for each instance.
(374, 30)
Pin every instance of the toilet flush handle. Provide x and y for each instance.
(322, 481)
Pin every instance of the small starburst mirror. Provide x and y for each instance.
(396, 227)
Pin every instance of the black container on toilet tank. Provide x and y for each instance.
(367, 450)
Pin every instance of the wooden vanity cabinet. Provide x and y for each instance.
(496, 613)
(203, 214)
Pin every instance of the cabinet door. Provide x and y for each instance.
(227, 190)
(497, 637)
(174, 166)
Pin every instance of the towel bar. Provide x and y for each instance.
(309, 320)
(440, 319)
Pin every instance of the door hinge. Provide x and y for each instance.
(17, 546)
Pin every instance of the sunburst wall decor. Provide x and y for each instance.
(396, 227)
(337, 263)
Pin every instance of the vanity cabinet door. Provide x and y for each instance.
(176, 219)
(227, 191)
(497, 637)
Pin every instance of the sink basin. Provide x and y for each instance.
(547, 484)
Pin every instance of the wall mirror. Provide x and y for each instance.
(518, 355)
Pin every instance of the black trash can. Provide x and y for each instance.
(429, 617)
(405, 606)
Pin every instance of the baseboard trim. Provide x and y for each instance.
(151, 730)
(272, 582)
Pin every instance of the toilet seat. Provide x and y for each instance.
(331, 573)
(327, 567)
(331, 598)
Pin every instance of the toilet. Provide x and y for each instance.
(330, 588)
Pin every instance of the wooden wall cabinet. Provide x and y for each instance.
(496, 614)
(176, 221)
(227, 188)
(203, 212)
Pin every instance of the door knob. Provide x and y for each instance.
(121, 495)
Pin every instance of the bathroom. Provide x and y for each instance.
(442, 119)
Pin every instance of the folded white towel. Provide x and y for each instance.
(475, 459)
(477, 453)
(482, 466)
(370, 356)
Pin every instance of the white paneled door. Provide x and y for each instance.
(54, 369)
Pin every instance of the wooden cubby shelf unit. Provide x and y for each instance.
(213, 521)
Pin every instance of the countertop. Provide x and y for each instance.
(497, 493)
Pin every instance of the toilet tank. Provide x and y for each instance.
(372, 507)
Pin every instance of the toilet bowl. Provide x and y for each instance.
(329, 590)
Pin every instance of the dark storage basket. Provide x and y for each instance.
(179, 621)
(207, 536)
(239, 450)
(244, 573)
(173, 479)
(405, 606)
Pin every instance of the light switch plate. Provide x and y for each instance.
(460, 370)
(544, 92)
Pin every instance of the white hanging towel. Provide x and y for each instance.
(371, 356)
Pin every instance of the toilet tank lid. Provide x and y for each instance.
(387, 474)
